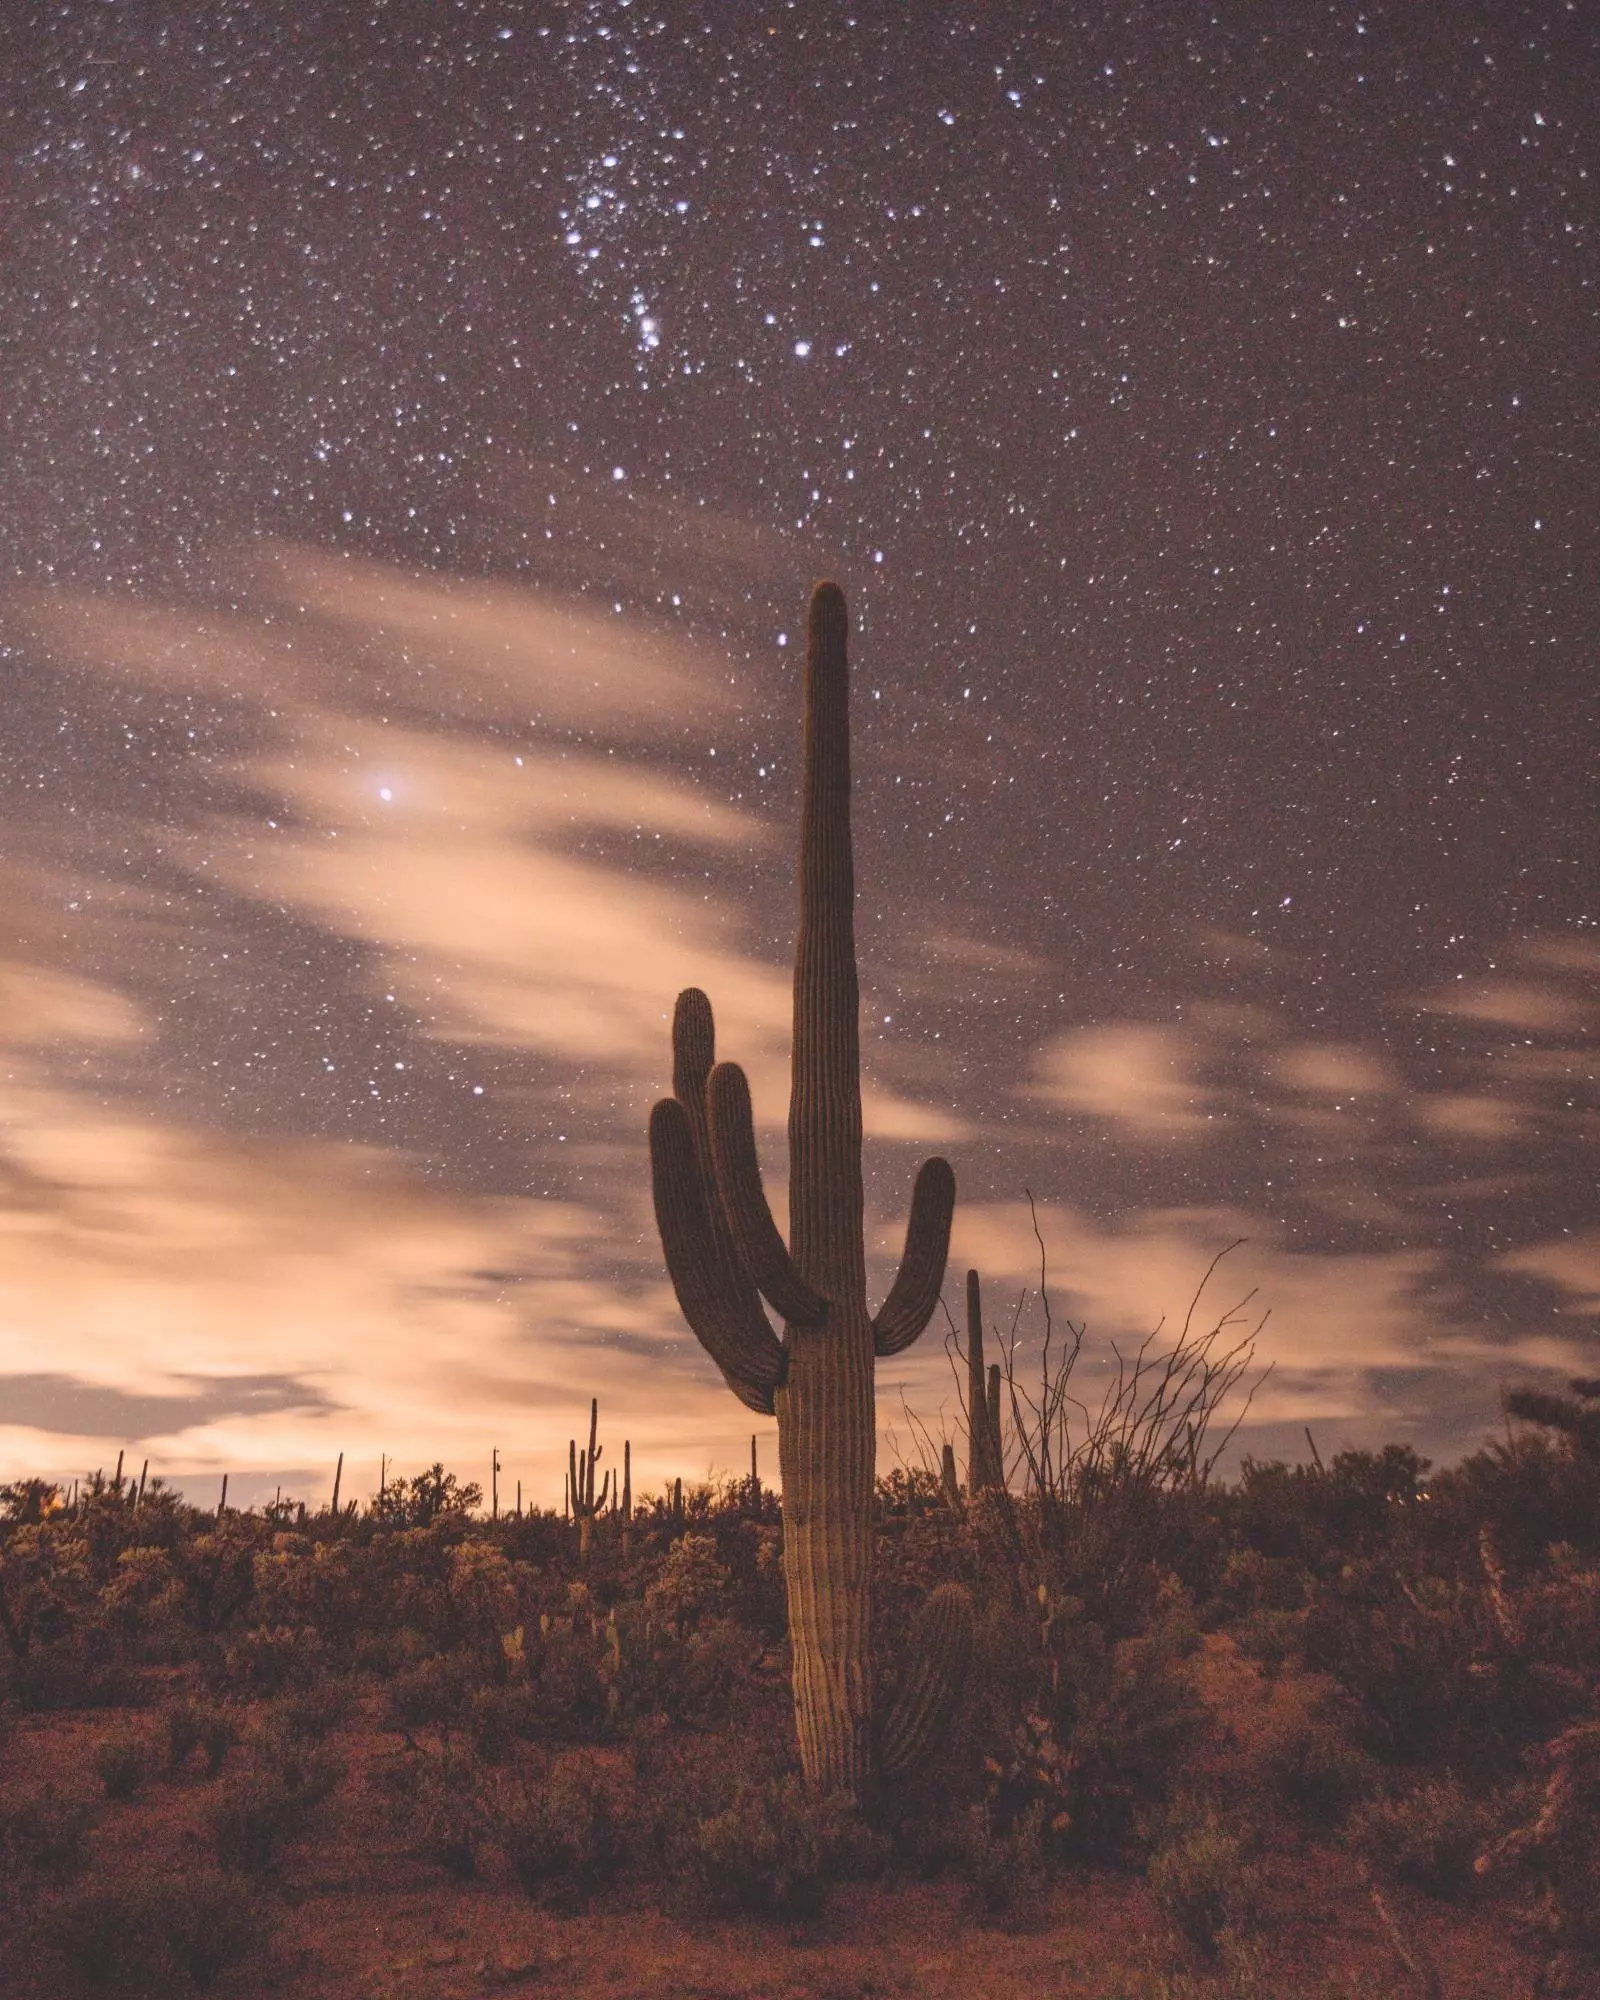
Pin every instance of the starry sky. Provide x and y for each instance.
(422, 426)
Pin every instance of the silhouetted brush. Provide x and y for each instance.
(724, 1252)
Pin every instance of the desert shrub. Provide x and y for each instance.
(1004, 1866)
(752, 1553)
(696, 1678)
(204, 1725)
(1319, 1771)
(142, 1603)
(690, 1584)
(1125, 1718)
(483, 1595)
(181, 1727)
(1430, 1836)
(445, 1817)
(1269, 1636)
(217, 1572)
(79, 1668)
(42, 1833)
(301, 1583)
(267, 1659)
(1363, 1502)
(254, 1815)
(1530, 1490)
(431, 1694)
(178, 1934)
(572, 1689)
(1252, 1581)
(260, 1808)
(774, 1850)
(27, 1502)
(1202, 1879)
(500, 1717)
(566, 1838)
(432, 1496)
(313, 1714)
(1555, 1845)
(1406, 1647)
(120, 1763)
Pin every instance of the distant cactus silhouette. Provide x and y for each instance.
(582, 1498)
(985, 1457)
(724, 1255)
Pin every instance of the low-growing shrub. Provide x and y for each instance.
(179, 1934)
(43, 1833)
(316, 1711)
(1320, 1771)
(445, 1816)
(262, 1807)
(777, 1847)
(498, 1718)
(267, 1659)
(210, 1727)
(565, 1838)
(432, 1694)
(1554, 1844)
(1202, 1879)
(120, 1764)
(1429, 1837)
(182, 1728)
(1004, 1867)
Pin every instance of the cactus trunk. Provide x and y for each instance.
(725, 1254)
(825, 1408)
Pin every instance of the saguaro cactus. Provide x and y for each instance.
(725, 1254)
(585, 1502)
(985, 1459)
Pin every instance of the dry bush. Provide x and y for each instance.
(173, 1935)
(121, 1763)
(775, 1848)
(566, 1837)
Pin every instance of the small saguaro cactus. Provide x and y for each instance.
(985, 1461)
(725, 1255)
(586, 1504)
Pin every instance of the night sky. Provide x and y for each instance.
(422, 426)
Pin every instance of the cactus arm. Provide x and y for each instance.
(693, 1046)
(915, 1292)
(936, 1672)
(744, 1202)
(731, 1328)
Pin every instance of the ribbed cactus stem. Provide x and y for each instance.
(983, 1402)
(938, 1657)
(723, 1247)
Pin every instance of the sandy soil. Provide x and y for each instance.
(357, 1918)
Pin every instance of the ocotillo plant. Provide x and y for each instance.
(724, 1254)
(985, 1465)
(580, 1481)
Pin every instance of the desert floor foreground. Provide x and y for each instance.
(352, 1915)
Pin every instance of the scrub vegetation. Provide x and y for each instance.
(1347, 1709)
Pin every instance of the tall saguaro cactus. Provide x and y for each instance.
(725, 1255)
